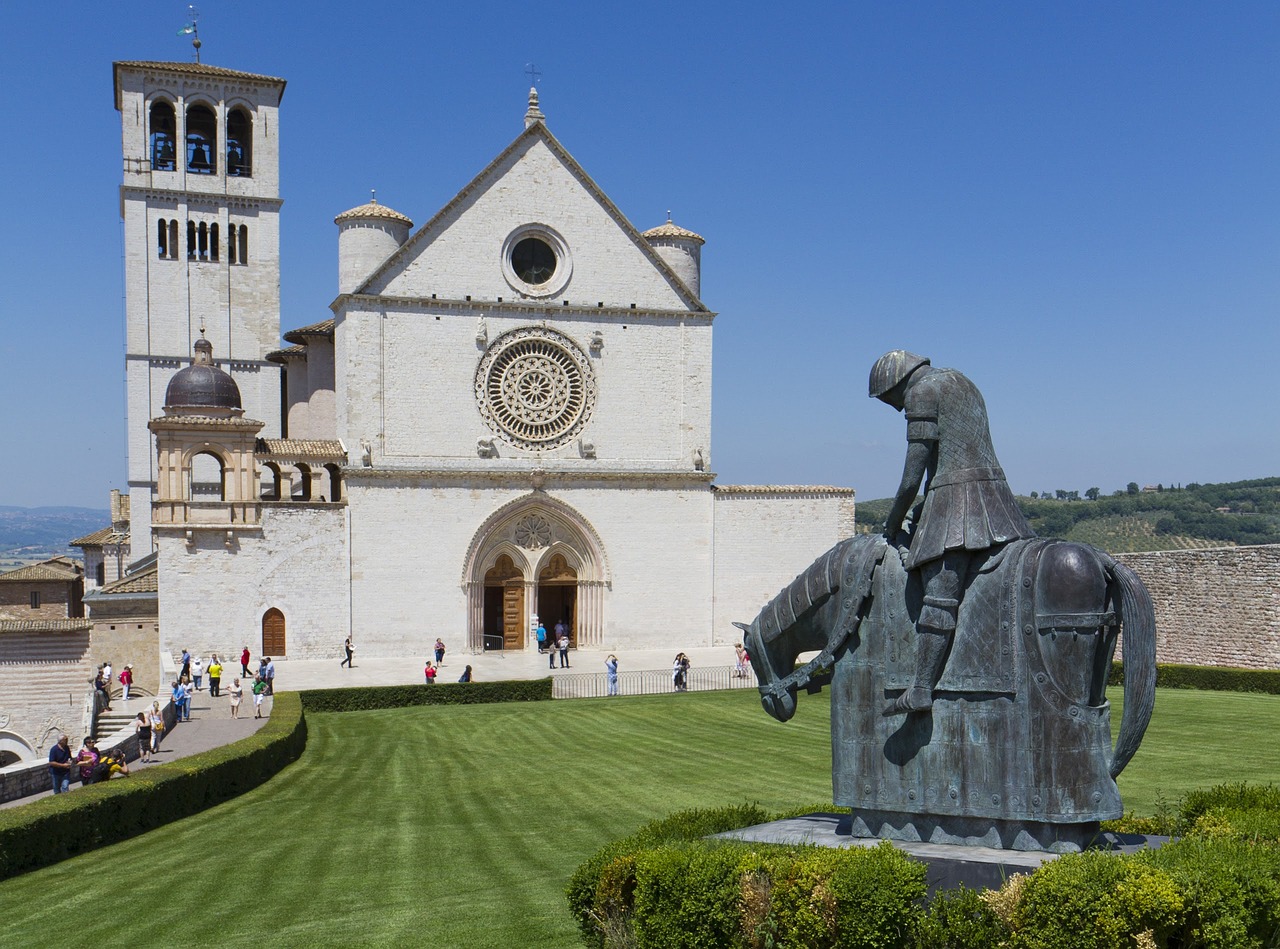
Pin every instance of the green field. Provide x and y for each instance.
(458, 826)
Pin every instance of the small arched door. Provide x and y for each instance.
(273, 633)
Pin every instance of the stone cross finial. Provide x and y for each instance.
(534, 114)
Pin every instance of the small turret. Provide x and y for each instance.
(680, 249)
(367, 236)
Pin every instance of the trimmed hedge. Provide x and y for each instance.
(405, 696)
(1209, 678)
(1218, 887)
(664, 886)
(54, 828)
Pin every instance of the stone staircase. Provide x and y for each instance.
(122, 713)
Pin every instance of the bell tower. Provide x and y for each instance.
(200, 200)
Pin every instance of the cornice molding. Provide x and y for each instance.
(537, 479)
(215, 198)
(531, 310)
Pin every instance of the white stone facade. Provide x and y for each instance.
(512, 408)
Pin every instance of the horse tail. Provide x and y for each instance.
(1138, 622)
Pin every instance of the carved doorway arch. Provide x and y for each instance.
(555, 557)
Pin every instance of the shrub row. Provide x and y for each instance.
(404, 696)
(663, 886)
(666, 887)
(1209, 678)
(54, 828)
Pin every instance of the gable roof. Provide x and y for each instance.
(53, 569)
(537, 130)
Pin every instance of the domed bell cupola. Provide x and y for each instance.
(680, 249)
(202, 388)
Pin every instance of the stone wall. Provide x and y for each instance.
(1218, 607)
(45, 678)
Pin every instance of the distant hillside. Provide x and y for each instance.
(31, 534)
(1240, 513)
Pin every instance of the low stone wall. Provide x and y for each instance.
(1217, 607)
(32, 777)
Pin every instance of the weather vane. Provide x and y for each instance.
(192, 29)
(534, 74)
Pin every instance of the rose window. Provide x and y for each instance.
(533, 532)
(535, 388)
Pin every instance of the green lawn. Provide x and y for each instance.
(458, 826)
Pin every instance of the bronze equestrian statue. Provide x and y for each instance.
(968, 659)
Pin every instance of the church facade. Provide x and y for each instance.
(505, 419)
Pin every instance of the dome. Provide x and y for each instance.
(672, 232)
(202, 384)
(375, 212)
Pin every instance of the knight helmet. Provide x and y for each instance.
(892, 368)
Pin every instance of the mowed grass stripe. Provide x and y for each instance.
(459, 826)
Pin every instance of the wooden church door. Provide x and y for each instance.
(273, 633)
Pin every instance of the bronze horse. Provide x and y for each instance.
(1016, 751)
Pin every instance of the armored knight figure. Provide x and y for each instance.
(968, 509)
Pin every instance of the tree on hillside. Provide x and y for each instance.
(1132, 487)
(1092, 494)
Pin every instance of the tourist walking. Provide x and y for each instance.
(439, 651)
(563, 645)
(350, 651)
(237, 693)
(244, 662)
(126, 680)
(215, 676)
(259, 689)
(611, 674)
(60, 765)
(197, 673)
(466, 675)
(185, 670)
(156, 716)
(271, 676)
(541, 636)
(142, 729)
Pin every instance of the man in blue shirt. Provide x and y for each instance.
(60, 765)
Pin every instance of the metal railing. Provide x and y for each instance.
(585, 685)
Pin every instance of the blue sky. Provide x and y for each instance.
(1074, 203)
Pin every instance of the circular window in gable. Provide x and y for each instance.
(535, 261)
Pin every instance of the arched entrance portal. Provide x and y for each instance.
(503, 605)
(558, 596)
(273, 633)
(535, 556)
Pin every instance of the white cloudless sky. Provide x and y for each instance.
(1075, 204)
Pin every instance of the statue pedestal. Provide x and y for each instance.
(949, 865)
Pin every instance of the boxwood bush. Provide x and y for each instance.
(54, 828)
(404, 696)
(1209, 678)
(662, 886)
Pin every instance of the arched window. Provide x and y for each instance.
(239, 144)
(202, 140)
(173, 240)
(191, 240)
(271, 481)
(302, 490)
(213, 242)
(163, 137)
(335, 482)
(207, 478)
(162, 239)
